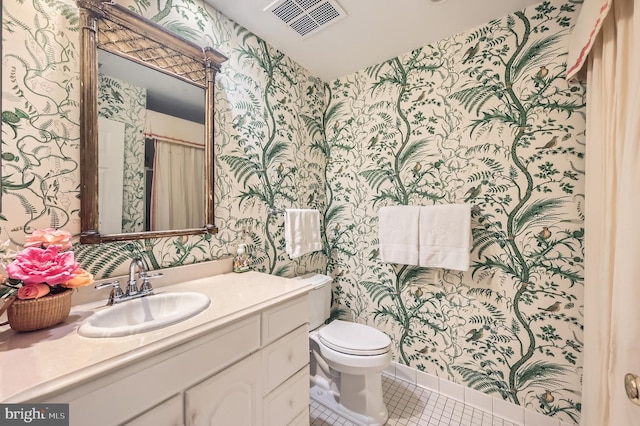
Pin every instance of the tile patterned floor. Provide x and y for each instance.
(411, 405)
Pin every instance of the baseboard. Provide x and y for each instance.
(485, 402)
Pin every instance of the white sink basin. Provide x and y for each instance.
(144, 314)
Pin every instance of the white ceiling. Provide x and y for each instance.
(372, 32)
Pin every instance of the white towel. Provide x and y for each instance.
(398, 232)
(445, 232)
(301, 231)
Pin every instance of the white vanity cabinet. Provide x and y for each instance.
(252, 371)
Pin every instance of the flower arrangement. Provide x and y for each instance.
(46, 265)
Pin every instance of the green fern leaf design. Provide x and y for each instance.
(540, 373)
(536, 54)
(474, 98)
(242, 167)
(377, 291)
(375, 177)
(411, 151)
(276, 152)
(538, 213)
(487, 382)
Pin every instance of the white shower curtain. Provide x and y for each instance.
(612, 233)
(178, 186)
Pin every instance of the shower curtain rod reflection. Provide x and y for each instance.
(176, 141)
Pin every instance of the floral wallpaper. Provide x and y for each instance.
(127, 103)
(484, 117)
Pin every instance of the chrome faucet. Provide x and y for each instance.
(132, 284)
(132, 291)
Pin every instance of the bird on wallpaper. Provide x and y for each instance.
(421, 97)
(310, 198)
(475, 334)
(553, 142)
(552, 308)
(373, 254)
(279, 170)
(241, 120)
(116, 95)
(545, 233)
(340, 170)
(470, 53)
(540, 75)
(336, 125)
(548, 397)
(543, 72)
(473, 192)
(310, 90)
(418, 293)
(373, 141)
(417, 168)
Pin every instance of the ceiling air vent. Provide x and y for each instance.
(307, 17)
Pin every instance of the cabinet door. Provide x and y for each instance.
(167, 413)
(232, 397)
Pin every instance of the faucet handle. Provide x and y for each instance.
(116, 291)
(146, 285)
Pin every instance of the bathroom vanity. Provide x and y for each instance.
(242, 361)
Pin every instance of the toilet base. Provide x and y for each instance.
(327, 398)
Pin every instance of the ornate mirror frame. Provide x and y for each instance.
(115, 29)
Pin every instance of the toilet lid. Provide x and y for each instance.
(354, 339)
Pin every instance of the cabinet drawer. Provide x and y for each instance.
(302, 419)
(287, 401)
(281, 319)
(284, 357)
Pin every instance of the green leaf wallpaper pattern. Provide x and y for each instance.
(483, 117)
(261, 96)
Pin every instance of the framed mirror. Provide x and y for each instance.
(146, 128)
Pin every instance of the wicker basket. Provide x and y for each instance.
(35, 314)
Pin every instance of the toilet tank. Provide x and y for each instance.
(319, 298)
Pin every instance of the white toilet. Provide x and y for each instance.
(346, 360)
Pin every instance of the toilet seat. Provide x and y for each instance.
(354, 339)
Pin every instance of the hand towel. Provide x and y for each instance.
(398, 232)
(301, 231)
(445, 232)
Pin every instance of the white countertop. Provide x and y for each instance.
(35, 364)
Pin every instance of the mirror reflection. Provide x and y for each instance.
(151, 137)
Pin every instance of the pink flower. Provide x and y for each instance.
(49, 237)
(35, 265)
(33, 291)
